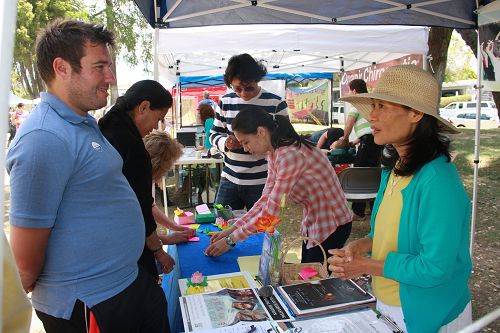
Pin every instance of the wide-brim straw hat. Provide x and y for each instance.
(406, 85)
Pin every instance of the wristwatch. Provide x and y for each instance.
(230, 242)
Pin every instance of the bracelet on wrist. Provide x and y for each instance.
(160, 247)
(230, 242)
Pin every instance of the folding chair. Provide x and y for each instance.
(360, 183)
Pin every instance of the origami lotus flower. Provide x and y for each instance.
(197, 278)
(267, 223)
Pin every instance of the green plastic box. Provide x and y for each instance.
(205, 218)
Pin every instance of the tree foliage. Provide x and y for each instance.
(134, 39)
(458, 66)
(32, 15)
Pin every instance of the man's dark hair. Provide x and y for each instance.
(244, 68)
(20, 105)
(427, 143)
(359, 85)
(66, 39)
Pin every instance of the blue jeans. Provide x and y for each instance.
(238, 196)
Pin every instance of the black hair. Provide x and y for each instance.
(359, 85)
(244, 68)
(145, 90)
(427, 143)
(282, 132)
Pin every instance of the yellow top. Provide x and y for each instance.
(16, 309)
(385, 238)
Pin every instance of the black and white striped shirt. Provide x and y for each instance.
(240, 167)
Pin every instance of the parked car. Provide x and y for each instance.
(338, 116)
(488, 120)
(454, 108)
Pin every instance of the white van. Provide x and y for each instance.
(468, 119)
(454, 108)
(338, 116)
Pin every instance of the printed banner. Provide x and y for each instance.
(309, 104)
(489, 38)
(371, 74)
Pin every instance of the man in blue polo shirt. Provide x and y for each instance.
(77, 230)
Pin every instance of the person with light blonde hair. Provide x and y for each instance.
(163, 150)
(417, 251)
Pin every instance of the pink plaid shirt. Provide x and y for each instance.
(308, 179)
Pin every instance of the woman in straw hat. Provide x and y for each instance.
(420, 223)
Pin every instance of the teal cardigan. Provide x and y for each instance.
(432, 263)
(209, 123)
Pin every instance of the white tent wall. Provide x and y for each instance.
(284, 48)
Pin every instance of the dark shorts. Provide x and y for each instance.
(335, 241)
(140, 308)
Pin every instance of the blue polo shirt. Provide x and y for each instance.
(66, 176)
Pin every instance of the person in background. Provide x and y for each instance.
(20, 115)
(12, 125)
(326, 140)
(243, 176)
(299, 170)
(77, 229)
(206, 100)
(207, 115)
(368, 152)
(164, 151)
(134, 115)
(419, 238)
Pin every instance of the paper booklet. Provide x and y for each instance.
(235, 280)
(230, 307)
(324, 296)
(359, 321)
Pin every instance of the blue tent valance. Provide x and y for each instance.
(218, 80)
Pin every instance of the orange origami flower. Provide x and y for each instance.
(267, 223)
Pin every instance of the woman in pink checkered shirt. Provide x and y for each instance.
(300, 170)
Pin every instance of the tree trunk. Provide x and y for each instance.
(439, 40)
(110, 23)
(470, 38)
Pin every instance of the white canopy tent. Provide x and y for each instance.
(14, 100)
(284, 48)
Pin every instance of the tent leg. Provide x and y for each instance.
(476, 146)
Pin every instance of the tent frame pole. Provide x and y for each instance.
(478, 88)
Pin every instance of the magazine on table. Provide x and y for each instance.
(228, 307)
(235, 280)
(357, 321)
(323, 296)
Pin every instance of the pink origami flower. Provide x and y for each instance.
(197, 278)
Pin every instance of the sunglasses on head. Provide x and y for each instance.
(240, 89)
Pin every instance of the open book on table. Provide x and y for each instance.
(324, 296)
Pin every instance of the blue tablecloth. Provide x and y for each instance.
(190, 257)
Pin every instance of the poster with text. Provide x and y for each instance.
(371, 74)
